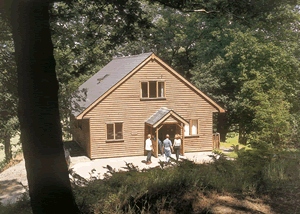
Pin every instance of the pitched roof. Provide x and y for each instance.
(158, 115)
(161, 115)
(107, 77)
(118, 71)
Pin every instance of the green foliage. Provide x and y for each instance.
(69, 96)
(9, 123)
(254, 72)
(239, 54)
(158, 190)
(86, 33)
(167, 189)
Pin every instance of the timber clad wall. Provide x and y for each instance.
(124, 105)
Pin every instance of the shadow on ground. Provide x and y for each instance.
(10, 191)
(76, 150)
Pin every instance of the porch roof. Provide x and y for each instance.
(161, 115)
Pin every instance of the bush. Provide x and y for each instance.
(173, 188)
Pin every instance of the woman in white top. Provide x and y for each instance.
(176, 145)
(148, 148)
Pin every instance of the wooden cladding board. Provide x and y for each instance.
(171, 119)
(124, 104)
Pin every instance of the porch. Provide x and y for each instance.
(165, 121)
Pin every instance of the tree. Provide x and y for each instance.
(49, 185)
(84, 35)
(8, 90)
(172, 37)
(240, 57)
(48, 179)
(194, 41)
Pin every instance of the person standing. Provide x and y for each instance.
(149, 149)
(167, 147)
(176, 145)
(67, 156)
(159, 144)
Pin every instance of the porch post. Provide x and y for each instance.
(145, 137)
(156, 144)
(182, 152)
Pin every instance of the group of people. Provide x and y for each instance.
(164, 147)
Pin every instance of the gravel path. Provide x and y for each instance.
(11, 183)
(13, 180)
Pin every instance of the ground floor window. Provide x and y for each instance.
(191, 128)
(114, 131)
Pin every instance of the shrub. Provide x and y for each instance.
(169, 189)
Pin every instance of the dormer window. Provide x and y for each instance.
(153, 89)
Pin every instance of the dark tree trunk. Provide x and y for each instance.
(49, 186)
(7, 145)
(222, 126)
(242, 134)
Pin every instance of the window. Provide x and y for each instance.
(153, 89)
(194, 125)
(187, 130)
(191, 129)
(161, 86)
(114, 131)
(110, 131)
(144, 88)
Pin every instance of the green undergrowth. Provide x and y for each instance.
(167, 189)
(176, 188)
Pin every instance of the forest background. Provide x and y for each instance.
(248, 63)
(244, 55)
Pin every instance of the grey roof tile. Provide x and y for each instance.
(107, 77)
(158, 115)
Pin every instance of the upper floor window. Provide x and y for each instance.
(192, 128)
(153, 89)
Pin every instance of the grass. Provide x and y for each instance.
(232, 142)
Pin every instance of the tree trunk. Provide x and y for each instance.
(222, 126)
(41, 136)
(242, 134)
(7, 145)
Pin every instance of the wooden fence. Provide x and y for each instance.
(216, 140)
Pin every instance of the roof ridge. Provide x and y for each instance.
(132, 56)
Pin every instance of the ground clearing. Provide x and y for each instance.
(15, 147)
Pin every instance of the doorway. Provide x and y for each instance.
(170, 129)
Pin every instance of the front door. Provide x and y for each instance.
(169, 129)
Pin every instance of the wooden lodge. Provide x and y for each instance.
(133, 96)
